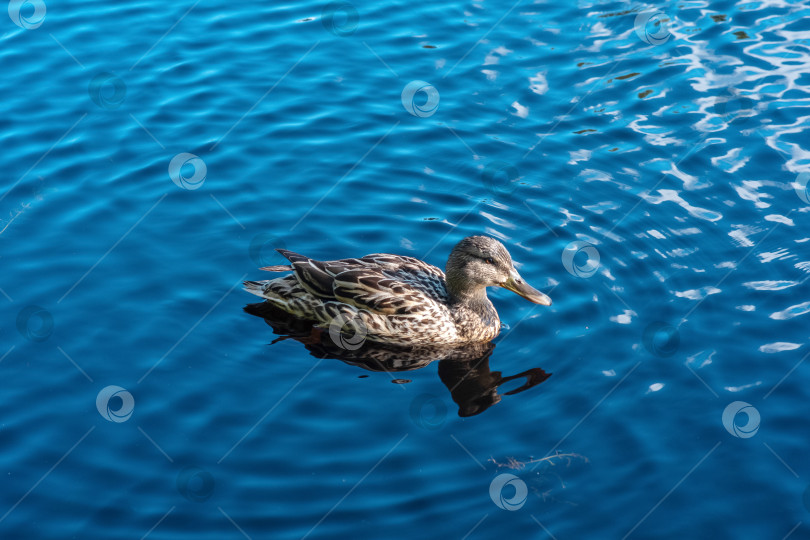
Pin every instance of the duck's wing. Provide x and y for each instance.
(316, 277)
(380, 283)
(409, 277)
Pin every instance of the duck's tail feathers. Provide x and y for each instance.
(255, 287)
(277, 268)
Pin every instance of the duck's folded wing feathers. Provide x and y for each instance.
(380, 283)
(317, 277)
(377, 293)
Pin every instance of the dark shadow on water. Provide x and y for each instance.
(464, 370)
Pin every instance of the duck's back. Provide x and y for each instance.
(399, 300)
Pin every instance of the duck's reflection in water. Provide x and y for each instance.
(464, 370)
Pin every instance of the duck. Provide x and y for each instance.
(399, 300)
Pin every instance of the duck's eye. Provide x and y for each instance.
(489, 260)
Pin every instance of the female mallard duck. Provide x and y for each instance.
(401, 300)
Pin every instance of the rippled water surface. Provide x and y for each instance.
(646, 164)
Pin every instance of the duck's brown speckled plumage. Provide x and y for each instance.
(399, 300)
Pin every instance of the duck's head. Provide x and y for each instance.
(478, 262)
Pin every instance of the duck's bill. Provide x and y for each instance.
(517, 285)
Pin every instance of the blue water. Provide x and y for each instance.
(645, 164)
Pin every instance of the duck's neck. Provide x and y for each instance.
(470, 297)
(468, 301)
